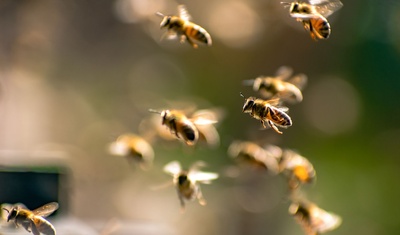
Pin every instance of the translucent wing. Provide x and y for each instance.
(300, 80)
(326, 8)
(273, 102)
(202, 177)
(322, 221)
(46, 210)
(173, 168)
(284, 72)
(183, 13)
(203, 121)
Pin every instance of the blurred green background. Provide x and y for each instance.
(76, 74)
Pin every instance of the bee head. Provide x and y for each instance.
(165, 115)
(11, 214)
(248, 105)
(294, 7)
(165, 22)
(182, 178)
(262, 82)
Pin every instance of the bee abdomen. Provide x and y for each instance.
(322, 27)
(200, 34)
(190, 134)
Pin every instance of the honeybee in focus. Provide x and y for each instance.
(135, 148)
(313, 219)
(181, 126)
(187, 182)
(267, 111)
(33, 221)
(182, 27)
(280, 86)
(313, 14)
(249, 153)
(297, 168)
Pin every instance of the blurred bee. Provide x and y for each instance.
(313, 219)
(297, 168)
(187, 182)
(267, 111)
(33, 221)
(279, 86)
(249, 153)
(181, 126)
(181, 26)
(313, 14)
(135, 148)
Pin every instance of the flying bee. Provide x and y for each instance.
(280, 86)
(181, 126)
(267, 111)
(134, 148)
(249, 153)
(33, 221)
(187, 182)
(313, 219)
(181, 26)
(313, 15)
(297, 168)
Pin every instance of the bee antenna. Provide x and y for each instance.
(242, 95)
(154, 111)
(6, 210)
(159, 14)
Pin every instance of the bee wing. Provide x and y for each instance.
(202, 177)
(203, 121)
(183, 13)
(173, 168)
(284, 72)
(273, 102)
(323, 221)
(300, 80)
(46, 210)
(283, 109)
(325, 7)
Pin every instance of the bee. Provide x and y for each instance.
(134, 148)
(181, 26)
(187, 182)
(33, 221)
(313, 15)
(181, 126)
(297, 168)
(280, 86)
(267, 111)
(249, 153)
(313, 219)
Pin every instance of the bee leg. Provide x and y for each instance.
(194, 45)
(201, 199)
(263, 124)
(182, 203)
(35, 231)
(274, 127)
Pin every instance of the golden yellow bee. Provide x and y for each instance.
(134, 148)
(280, 86)
(313, 219)
(297, 168)
(181, 126)
(33, 221)
(181, 26)
(187, 182)
(313, 15)
(249, 153)
(267, 111)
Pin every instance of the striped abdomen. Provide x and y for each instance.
(194, 31)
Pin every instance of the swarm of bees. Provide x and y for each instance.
(313, 14)
(190, 128)
(33, 221)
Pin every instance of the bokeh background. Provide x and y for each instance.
(76, 74)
